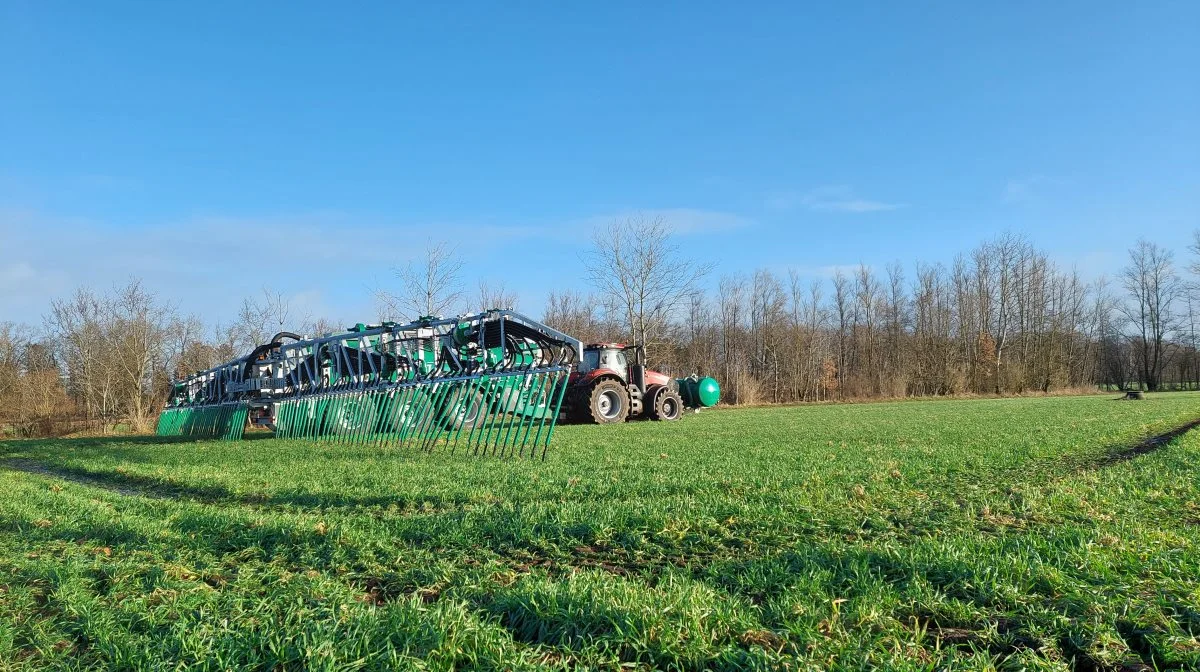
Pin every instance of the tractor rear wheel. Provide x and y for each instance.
(667, 405)
(463, 409)
(410, 410)
(608, 402)
(352, 416)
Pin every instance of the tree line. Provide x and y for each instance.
(999, 319)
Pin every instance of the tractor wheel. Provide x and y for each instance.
(463, 409)
(411, 411)
(668, 405)
(352, 416)
(576, 405)
(608, 402)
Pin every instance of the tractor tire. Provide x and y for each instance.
(351, 417)
(666, 404)
(607, 402)
(411, 411)
(575, 406)
(463, 409)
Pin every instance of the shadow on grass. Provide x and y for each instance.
(13, 445)
(133, 449)
(123, 484)
(993, 623)
(136, 485)
(9, 445)
(111, 533)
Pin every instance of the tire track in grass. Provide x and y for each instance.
(136, 485)
(32, 467)
(1123, 453)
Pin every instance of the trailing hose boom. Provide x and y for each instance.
(493, 382)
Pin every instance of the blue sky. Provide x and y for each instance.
(213, 148)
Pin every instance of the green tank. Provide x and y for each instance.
(699, 392)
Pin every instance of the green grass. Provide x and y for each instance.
(983, 534)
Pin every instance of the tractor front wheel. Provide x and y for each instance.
(608, 402)
(666, 405)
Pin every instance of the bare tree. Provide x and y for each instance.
(12, 343)
(187, 350)
(933, 359)
(866, 309)
(809, 342)
(76, 327)
(320, 326)
(997, 268)
(225, 340)
(636, 265)
(575, 314)
(111, 347)
(842, 311)
(1002, 319)
(1112, 347)
(138, 334)
(263, 316)
(699, 335)
(1153, 288)
(31, 392)
(431, 285)
(1191, 290)
(767, 305)
(495, 295)
(895, 304)
(1194, 248)
(731, 297)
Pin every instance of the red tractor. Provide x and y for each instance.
(607, 387)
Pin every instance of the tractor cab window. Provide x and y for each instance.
(608, 358)
(591, 360)
(615, 360)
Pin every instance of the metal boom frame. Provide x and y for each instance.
(493, 381)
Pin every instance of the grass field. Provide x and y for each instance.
(983, 534)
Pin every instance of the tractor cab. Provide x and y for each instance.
(610, 356)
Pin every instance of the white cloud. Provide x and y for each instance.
(16, 274)
(330, 263)
(27, 286)
(835, 198)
